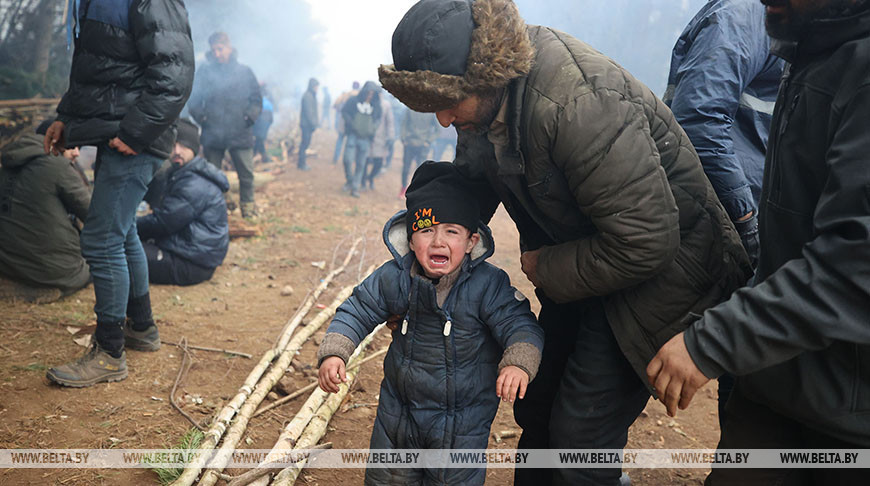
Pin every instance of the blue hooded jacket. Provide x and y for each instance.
(722, 87)
(440, 371)
(191, 220)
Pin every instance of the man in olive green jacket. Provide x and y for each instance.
(39, 245)
(621, 232)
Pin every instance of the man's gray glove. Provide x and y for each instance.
(748, 231)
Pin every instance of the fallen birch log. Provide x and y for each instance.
(290, 437)
(234, 434)
(263, 469)
(316, 429)
(309, 387)
(217, 429)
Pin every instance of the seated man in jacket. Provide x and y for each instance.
(41, 195)
(187, 235)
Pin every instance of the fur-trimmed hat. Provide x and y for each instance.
(445, 51)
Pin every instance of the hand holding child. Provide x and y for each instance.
(332, 373)
(510, 379)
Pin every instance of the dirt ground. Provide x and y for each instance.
(305, 216)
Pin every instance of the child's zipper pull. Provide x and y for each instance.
(405, 327)
(447, 326)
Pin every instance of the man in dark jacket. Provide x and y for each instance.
(40, 197)
(132, 71)
(308, 120)
(186, 236)
(621, 231)
(226, 102)
(799, 341)
(721, 88)
(361, 114)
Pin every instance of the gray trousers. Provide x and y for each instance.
(243, 161)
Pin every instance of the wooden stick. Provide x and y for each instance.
(264, 469)
(316, 429)
(292, 432)
(309, 387)
(185, 365)
(294, 322)
(28, 102)
(234, 434)
(216, 350)
(219, 426)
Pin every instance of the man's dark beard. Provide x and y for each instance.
(794, 25)
(486, 112)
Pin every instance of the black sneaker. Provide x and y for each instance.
(96, 366)
(147, 340)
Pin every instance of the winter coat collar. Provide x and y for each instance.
(823, 35)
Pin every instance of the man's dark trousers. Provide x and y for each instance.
(585, 395)
(306, 141)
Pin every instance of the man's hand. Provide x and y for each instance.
(121, 147)
(529, 262)
(674, 375)
(331, 374)
(511, 379)
(54, 142)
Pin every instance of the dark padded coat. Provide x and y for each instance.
(38, 193)
(308, 117)
(132, 72)
(439, 379)
(190, 221)
(599, 176)
(226, 102)
(801, 336)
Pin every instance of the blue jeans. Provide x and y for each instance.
(110, 243)
(355, 154)
(339, 144)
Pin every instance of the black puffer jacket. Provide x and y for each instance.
(801, 336)
(132, 72)
(191, 219)
(226, 102)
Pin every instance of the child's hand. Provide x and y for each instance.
(509, 380)
(331, 374)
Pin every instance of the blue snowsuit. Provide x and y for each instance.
(440, 371)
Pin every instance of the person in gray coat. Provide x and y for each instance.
(308, 120)
(467, 336)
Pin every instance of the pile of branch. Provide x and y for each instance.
(260, 381)
(309, 425)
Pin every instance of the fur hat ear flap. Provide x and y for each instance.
(500, 51)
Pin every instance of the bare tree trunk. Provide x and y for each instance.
(43, 31)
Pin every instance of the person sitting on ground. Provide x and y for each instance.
(41, 196)
(465, 330)
(186, 236)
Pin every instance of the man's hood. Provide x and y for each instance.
(22, 151)
(370, 86)
(396, 238)
(203, 168)
(312, 83)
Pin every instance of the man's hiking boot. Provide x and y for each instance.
(96, 366)
(147, 340)
(249, 211)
